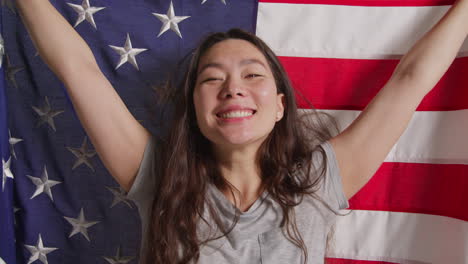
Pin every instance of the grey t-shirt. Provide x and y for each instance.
(257, 237)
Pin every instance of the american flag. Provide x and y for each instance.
(58, 203)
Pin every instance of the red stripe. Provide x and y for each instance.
(354, 261)
(437, 189)
(366, 2)
(350, 83)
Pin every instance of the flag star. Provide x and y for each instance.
(2, 261)
(39, 252)
(223, 1)
(118, 259)
(2, 49)
(170, 20)
(127, 53)
(46, 114)
(119, 196)
(11, 72)
(80, 225)
(85, 11)
(43, 184)
(10, 5)
(6, 172)
(12, 142)
(82, 154)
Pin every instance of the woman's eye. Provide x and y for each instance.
(252, 75)
(210, 79)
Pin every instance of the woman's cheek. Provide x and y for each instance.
(266, 93)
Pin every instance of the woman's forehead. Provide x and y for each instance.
(237, 51)
(237, 48)
(221, 66)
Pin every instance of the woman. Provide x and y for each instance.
(237, 177)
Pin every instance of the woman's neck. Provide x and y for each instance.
(240, 168)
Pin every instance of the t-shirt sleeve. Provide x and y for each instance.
(331, 188)
(143, 187)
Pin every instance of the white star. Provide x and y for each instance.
(170, 20)
(83, 155)
(2, 50)
(12, 142)
(43, 184)
(2, 261)
(223, 1)
(118, 259)
(85, 11)
(46, 114)
(127, 53)
(39, 252)
(119, 196)
(80, 225)
(6, 172)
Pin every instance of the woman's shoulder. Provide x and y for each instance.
(332, 186)
(324, 173)
(143, 185)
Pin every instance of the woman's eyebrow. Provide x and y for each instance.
(208, 65)
(251, 61)
(220, 66)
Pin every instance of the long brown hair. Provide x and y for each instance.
(186, 165)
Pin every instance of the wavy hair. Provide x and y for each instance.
(187, 166)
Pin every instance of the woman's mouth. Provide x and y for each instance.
(236, 114)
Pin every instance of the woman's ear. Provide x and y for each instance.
(279, 106)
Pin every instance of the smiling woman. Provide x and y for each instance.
(241, 177)
(236, 100)
(237, 163)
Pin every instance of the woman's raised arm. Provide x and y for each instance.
(116, 135)
(362, 146)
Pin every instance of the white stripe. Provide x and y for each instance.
(355, 32)
(401, 237)
(431, 136)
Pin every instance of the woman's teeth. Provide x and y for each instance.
(234, 114)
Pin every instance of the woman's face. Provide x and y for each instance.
(235, 97)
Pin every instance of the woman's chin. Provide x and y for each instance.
(239, 141)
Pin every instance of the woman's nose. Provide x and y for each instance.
(232, 88)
